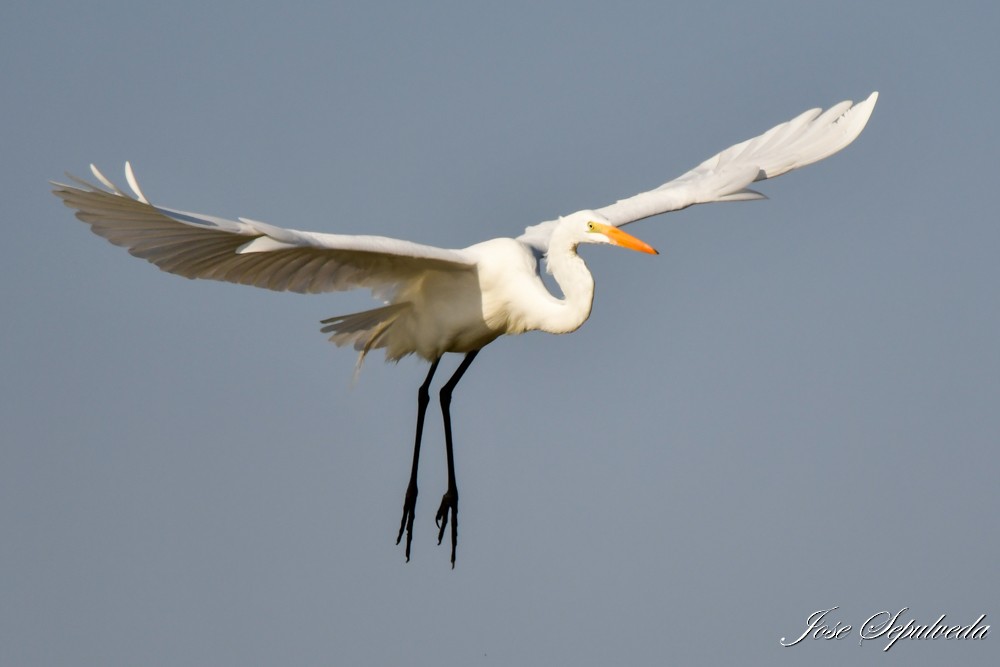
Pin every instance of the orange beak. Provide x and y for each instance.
(620, 238)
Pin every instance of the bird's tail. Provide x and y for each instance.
(365, 330)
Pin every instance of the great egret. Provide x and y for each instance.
(439, 300)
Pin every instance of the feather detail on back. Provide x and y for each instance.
(365, 330)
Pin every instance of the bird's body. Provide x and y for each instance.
(451, 310)
(438, 300)
(454, 310)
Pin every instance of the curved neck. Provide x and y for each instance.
(576, 283)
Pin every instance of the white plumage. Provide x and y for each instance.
(440, 300)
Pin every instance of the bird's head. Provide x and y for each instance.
(592, 227)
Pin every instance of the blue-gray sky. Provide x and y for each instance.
(795, 406)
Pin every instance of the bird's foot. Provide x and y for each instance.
(406, 523)
(449, 503)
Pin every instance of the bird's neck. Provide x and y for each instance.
(576, 283)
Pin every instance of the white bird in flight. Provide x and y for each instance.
(440, 300)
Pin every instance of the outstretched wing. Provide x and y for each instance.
(246, 251)
(807, 138)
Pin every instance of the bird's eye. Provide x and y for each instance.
(590, 227)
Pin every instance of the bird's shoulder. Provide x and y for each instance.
(504, 254)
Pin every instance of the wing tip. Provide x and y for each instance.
(133, 183)
(856, 119)
(867, 105)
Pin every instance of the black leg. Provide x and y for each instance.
(410, 501)
(449, 503)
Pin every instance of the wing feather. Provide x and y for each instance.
(245, 251)
(809, 137)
